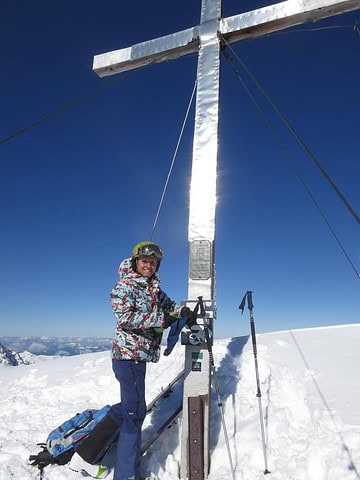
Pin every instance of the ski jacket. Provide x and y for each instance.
(138, 304)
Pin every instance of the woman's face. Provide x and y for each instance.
(146, 265)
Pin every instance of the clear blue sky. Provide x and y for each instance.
(78, 191)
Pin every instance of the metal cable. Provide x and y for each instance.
(62, 109)
(292, 163)
(172, 162)
(71, 104)
(354, 26)
(297, 137)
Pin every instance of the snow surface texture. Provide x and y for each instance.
(310, 396)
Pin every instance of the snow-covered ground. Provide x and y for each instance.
(310, 395)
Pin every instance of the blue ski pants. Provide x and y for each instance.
(129, 414)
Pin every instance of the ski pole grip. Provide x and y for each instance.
(249, 299)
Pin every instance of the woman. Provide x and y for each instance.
(142, 310)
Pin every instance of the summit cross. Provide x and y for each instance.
(206, 39)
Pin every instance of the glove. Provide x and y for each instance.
(185, 312)
(191, 316)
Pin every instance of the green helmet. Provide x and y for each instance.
(146, 248)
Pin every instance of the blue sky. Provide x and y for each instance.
(79, 190)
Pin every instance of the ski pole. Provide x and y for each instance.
(216, 383)
(248, 297)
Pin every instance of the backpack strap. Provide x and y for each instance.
(41, 460)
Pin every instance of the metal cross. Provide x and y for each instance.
(206, 39)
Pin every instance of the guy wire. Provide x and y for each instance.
(172, 162)
(289, 158)
(62, 109)
(69, 105)
(295, 134)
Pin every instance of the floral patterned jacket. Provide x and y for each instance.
(138, 304)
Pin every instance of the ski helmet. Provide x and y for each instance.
(146, 248)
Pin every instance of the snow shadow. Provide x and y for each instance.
(227, 374)
(351, 464)
(154, 459)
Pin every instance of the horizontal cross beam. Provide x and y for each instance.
(252, 24)
(263, 21)
(158, 50)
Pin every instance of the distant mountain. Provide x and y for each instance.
(59, 346)
(7, 357)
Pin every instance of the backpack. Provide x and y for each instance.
(63, 441)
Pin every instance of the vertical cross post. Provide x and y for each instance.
(202, 230)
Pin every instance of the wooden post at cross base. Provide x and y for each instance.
(206, 39)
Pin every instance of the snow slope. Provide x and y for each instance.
(310, 396)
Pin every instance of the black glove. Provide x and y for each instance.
(185, 312)
(191, 316)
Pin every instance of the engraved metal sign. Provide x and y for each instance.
(200, 260)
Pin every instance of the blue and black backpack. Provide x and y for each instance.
(89, 433)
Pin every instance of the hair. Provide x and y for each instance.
(134, 266)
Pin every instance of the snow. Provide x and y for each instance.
(310, 400)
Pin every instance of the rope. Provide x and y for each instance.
(354, 26)
(297, 137)
(292, 163)
(71, 104)
(61, 109)
(75, 102)
(172, 162)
